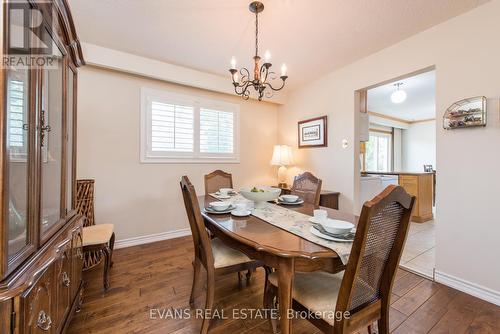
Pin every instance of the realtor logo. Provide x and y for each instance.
(29, 43)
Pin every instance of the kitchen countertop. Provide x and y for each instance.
(396, 173)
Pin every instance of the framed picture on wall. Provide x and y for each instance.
(313, 132)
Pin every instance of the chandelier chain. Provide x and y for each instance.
(256, 34)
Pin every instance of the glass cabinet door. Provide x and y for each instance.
(70, 113)
(51, 140)
(17, 107)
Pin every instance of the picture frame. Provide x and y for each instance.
(313, 132)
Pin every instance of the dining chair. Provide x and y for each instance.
(308, 187)
(98, 239)
(216, 180)
(363, 289)
(212, 254)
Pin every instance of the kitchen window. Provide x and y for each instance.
(179, 128)
(378, 157)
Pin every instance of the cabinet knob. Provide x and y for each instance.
(44, 321)
(65, 279)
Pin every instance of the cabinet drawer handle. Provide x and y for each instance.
(65, 279)
(44, 322)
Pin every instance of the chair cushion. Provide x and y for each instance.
(317, 291)
(225, 256)
(97, 234)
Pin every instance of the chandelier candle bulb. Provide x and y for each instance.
(233, 62)
(267, 56)
(283, 70)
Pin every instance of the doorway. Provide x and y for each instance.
(398, 146)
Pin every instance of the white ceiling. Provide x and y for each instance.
(420, 103)
(311, 37)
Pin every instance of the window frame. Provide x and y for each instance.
(148, 156)
(390, 135)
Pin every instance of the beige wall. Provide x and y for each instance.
(466, 53)
(143, 199)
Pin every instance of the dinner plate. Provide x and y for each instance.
(228, 210)
(313, 220)
(231, 193)
(241, 213)
(326, 237)
(299, 201)
(222, 196)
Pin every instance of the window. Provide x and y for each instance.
(181, 128)
(378, 157)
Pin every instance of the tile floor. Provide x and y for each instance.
(418, 254)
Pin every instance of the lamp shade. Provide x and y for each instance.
(282, 156)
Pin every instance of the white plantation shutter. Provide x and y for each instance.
(172, 127)
(16, 135)
(216, 131)
(180, 128)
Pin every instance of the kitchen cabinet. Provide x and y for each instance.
(420, 185)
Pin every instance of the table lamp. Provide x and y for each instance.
(282, 156)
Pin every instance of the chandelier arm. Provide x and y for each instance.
(264, 71)
(275, 89)
(244, 88)
(269, 94)
(245, 74)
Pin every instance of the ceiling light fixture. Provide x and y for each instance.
(261, 74)
(399, 95)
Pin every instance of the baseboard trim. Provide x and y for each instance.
(470, 288)
(146, 239)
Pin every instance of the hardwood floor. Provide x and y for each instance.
(158, 276)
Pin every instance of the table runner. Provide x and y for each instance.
(293, 222)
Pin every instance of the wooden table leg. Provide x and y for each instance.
(285, 284)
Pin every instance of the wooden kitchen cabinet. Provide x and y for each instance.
(420, 185)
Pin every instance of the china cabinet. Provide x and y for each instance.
(40, 232)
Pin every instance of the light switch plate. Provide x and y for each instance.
(345, 143)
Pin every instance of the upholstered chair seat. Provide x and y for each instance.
(225, 256)
(317, 291)
(97, 234)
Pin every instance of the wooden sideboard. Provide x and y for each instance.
(41, 255)
(327, 198)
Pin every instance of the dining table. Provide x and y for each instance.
(276, 247)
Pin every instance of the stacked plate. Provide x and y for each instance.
(290, 200)
(225, 193)
(220, 207)
(333, 229)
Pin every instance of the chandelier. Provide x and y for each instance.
(262, 75)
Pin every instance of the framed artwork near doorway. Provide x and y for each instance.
(313, 132)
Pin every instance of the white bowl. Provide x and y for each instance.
(260, 197)
(290, 198)
(219, 206)
(225, 190)
(335, 226)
